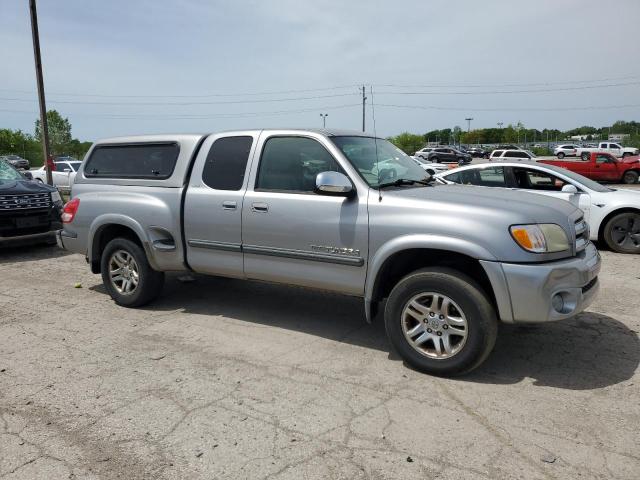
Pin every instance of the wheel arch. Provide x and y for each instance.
(610, 215)
(402, 256)
(105, 229)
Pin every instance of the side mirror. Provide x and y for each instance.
(66, 170)
(334, 183)
(569, 188)
(28, 175)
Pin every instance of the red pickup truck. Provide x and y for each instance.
(602, 167)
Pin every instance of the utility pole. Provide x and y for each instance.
(364, 101)
(44, 126)
(468, 123)
(324, 119)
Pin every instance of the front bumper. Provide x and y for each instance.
(20, 240)
(531, 288)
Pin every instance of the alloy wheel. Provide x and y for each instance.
(434, 325)
(123, 272)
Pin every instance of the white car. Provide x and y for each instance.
(511, 155)
(63, 175)
(562, 151)
(613, 215)
(430, 167)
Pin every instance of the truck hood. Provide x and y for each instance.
(479, 216)
(523, 204)
(634, 159)
(23, 186)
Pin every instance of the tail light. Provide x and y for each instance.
(70, 209)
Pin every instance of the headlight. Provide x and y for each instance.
(55, 197)
(540, 238)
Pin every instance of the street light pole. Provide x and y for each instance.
(324, 119)
(364, 101)
(44, 126)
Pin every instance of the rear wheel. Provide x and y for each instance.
(560, 155)
(440, 322)
(585, 156)
(127, 275)
(622, 233)
(630, 177)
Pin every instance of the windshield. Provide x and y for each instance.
(378, 161)
(8, 173)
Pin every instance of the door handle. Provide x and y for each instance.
(260, 207)
(229, 205)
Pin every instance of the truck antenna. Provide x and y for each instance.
(375, 142)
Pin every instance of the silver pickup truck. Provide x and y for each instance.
(339, 211)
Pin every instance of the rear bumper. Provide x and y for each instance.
(545, 292)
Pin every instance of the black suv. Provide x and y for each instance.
(29, 210)
(448, 155)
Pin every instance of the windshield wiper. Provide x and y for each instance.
(404, 181)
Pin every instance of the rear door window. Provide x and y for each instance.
(150, 161)
(226, 163)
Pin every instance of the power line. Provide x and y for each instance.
(500, 92)
(221, 102)
(523, 109)
(487, 85)
(189, 116)
(203, 95)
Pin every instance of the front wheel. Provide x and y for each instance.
(626, 154)
(127, 275)
(622, 233)
(560, 155)
(630, 177)
(440, 322)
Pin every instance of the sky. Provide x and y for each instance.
(157, 66)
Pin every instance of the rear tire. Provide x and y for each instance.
(622, 233)
(127, 275)
(428, 306)
(585, 157)
(630, 177)
(560, 155)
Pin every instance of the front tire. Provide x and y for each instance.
(440, 322)
(626, 154)
(560, 155)
(127, 275)
(630, 177)
(622, 233)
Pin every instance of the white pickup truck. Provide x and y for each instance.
(607, 147)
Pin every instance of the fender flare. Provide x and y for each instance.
(417, 241)
(106, 219)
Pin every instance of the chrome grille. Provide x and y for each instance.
(582, 234)
(26, 201)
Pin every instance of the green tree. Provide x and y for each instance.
(408, 142)
(59, 131)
